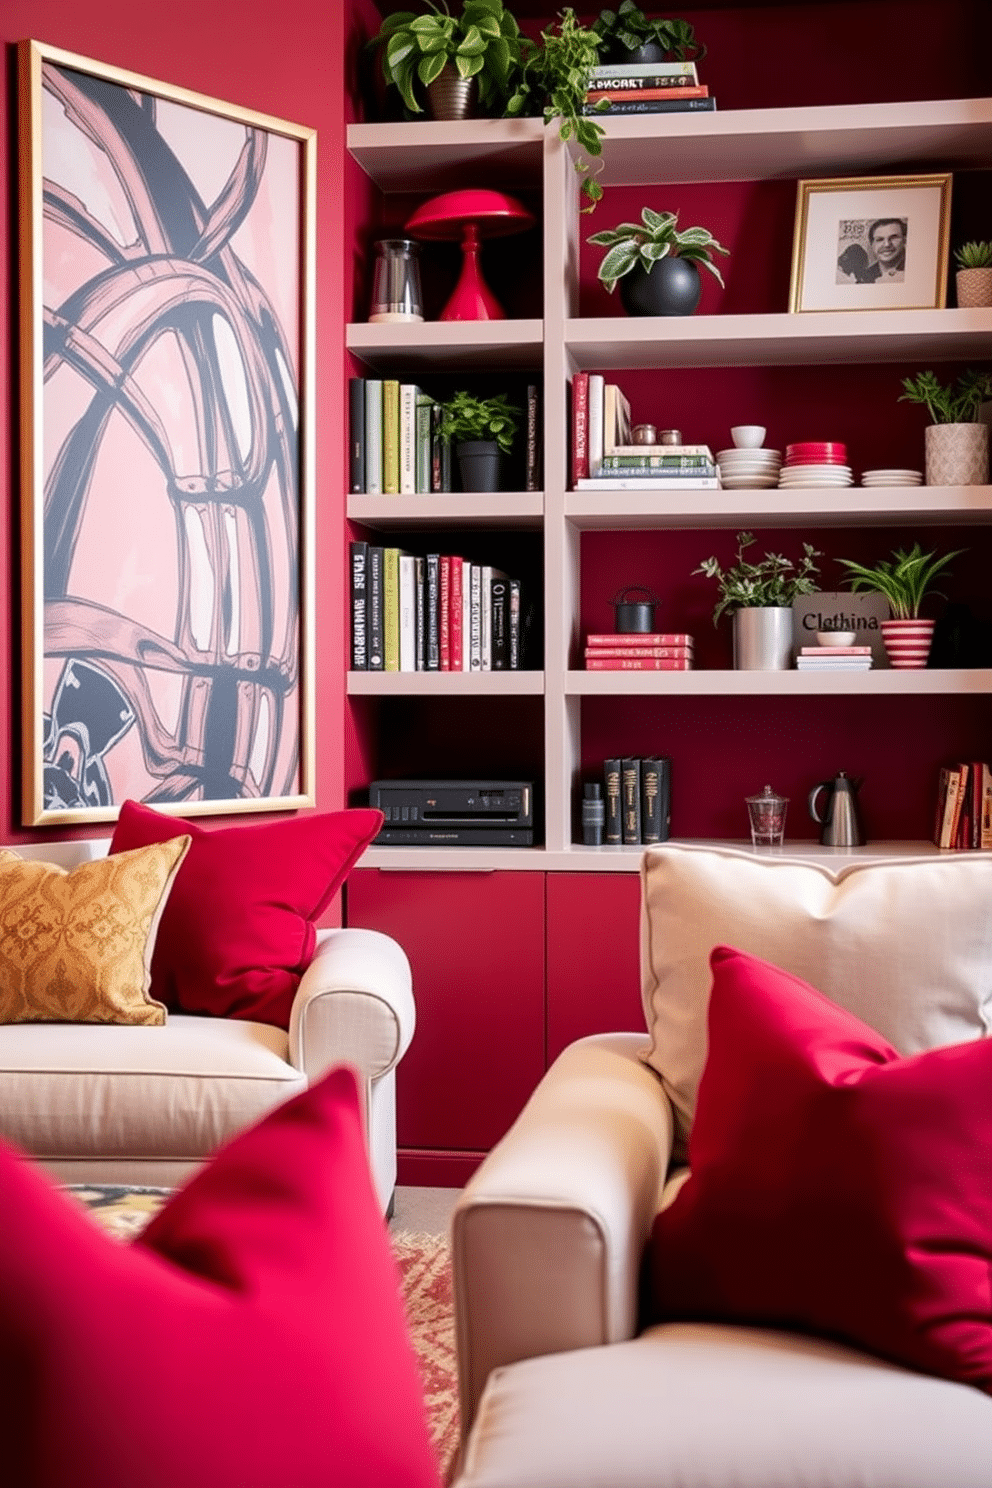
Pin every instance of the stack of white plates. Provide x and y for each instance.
(749, 469)
(815, 475)
(892, 478)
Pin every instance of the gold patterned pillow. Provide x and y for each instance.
(77, 947)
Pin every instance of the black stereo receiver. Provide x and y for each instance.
(455, 813)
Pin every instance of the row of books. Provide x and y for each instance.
(834, 659)
(660, 651)
(646, 88)
(638, 794)
(395, 443)
(435, 613)
(605, 458)
(964, 806)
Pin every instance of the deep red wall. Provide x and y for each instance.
(282, 59)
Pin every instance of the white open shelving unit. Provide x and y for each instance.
(749, 145)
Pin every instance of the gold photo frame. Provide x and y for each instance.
(871, 243)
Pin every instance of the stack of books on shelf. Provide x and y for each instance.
(834, 659)
(646, 88)
(662, 651)
(964, 807)
(603, 457)
(436, 613)
(395, 443)
(638, 795)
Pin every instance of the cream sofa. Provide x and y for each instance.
(133, 1105)
(560, 1386)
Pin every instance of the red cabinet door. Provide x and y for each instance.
(594, 980)
(476, 947)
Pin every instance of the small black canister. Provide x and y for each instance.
(635, 610)
(593, 815)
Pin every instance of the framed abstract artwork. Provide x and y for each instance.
(871, 243)
(167, 326)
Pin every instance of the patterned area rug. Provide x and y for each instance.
(425, 1271)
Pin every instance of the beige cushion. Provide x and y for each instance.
(905, 945)
(699, 1406)
(77, 947)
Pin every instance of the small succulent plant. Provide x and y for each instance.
(974, 256)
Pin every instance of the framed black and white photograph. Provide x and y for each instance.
(871, 243)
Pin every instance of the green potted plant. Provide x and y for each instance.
(957, 445)
(903, 580)
(759, 596)
(656, 265)
(454, 60)
(628, 35)
(974, 275)
(554, 80)
(481, 431)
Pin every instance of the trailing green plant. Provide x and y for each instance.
(656, 236)
(974, 256)
(627, 28)
(773, 582)
(466, 417)
(903, 580)
(483, 42)
(554, 81)
(958, 402)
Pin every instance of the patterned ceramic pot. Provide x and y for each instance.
(907, 642)
(450, 96)
(957, 454)
(974, 288)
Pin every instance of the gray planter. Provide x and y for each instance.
(479, 463)
(763, 640)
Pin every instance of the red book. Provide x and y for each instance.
(444, 613)
(633, 638)
(623, 95)
(455, 615)
(670, 652)
(580, 426)
(639, 664)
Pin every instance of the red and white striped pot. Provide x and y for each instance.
(907, 642)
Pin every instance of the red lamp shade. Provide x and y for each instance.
(470, 215)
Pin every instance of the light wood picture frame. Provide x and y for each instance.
(871, 243)
(167, 289)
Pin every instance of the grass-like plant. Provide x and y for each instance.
(949, 403)
(771, 583)
(483, 42)
(974, 256)
(627, 28)
(656, 236)
(903, 580)
(466, 417)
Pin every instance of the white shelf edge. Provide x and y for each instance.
(853, 506)
(881, 683)
(445, 684)
(516, 507)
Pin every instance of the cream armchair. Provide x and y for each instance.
(110, 1104)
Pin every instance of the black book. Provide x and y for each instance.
(613, 829)
(356, 433)
(499, 648)
(656, 777)
(432, 571)
(359, 591)
(420, 615)
(532, 473)
(630, 799)
(374, 621)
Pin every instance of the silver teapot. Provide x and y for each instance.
(840, 824)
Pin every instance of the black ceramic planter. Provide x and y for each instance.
(672, 287)
(648, 51)
(479, 463)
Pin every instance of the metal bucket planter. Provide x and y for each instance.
(450, 96)
(763, 639)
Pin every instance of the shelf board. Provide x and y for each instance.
(445, 684)
(444, 345)
(853, 506)
(769, 144)
(517, 509)
(423, 155)
(779, 340)
(883, 683)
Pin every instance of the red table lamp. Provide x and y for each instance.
(471, 216)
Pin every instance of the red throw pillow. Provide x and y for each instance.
(252, 1337)
(238, 928)
(835, 1187)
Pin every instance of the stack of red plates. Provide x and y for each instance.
(815, 464)
(826, 452)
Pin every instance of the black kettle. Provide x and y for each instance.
(840, 825)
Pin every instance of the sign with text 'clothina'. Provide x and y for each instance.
(841, 610)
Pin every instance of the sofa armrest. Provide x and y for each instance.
(548, 1236)
(354, 1005)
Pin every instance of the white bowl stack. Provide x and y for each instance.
(748, 467)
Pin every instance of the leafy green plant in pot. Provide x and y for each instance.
(957, 445)
(973, 279)
(759, 596)
(656, 265)
(631, 36)
(452, 60)
(481, 431)
(904, 580)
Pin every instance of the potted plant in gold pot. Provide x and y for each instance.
(904, 580)
(957, 445)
